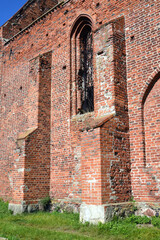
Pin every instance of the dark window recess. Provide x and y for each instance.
(85, 78)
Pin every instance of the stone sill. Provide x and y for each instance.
(25, 134)
(88, 121)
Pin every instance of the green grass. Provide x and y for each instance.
(50, 226)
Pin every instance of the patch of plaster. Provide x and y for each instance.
(23, 188)
(10, 180)
(21, 170)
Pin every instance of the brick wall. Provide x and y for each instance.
(125, 61)
(26, 15)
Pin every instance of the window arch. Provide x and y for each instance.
(82, 87)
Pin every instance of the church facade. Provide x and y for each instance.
(80, 106)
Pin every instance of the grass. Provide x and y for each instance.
(52, 226)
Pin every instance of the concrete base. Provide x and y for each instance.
(17, 208)
(92, 213)
(103, 213)
(21, 208)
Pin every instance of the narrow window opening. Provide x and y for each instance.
(82, 84)
(85, 83)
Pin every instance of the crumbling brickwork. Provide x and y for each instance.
(49, 146)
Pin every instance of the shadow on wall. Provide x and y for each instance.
(151, 135)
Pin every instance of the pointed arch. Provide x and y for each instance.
(148, 82)
(81, 59)
(150, 121)
(149, 87)
(80, 20)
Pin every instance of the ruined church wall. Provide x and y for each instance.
(52, 33)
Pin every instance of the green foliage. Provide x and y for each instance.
(138, 219)
(4, 209)
(45, 202)
(132, 199)
(55, 225)
(128, 227)
(57, 209)
(156, 222)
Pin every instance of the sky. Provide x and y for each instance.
(8, 8)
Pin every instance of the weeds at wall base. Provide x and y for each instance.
(56, 225)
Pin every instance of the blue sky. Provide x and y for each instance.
(8, 8)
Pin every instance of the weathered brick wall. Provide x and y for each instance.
(142, 67)
(126, 59)
(105, 165)
(37, 153)
(91, 167)
(26, 15)
(151, 140)
(116, 166)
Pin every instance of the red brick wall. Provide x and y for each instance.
(31, 171)
(127, 32)
(26, 15)
(116, 166)
(151, 125)
(91, 166)
(151, 103)
(37, 161)
(142, 67)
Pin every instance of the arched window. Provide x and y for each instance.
(82, 87)
(86, 70)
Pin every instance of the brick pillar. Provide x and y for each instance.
(91, 167)
(31, 175)
(105, 147)
(92, 209)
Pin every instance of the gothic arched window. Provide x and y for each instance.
(82, 87)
